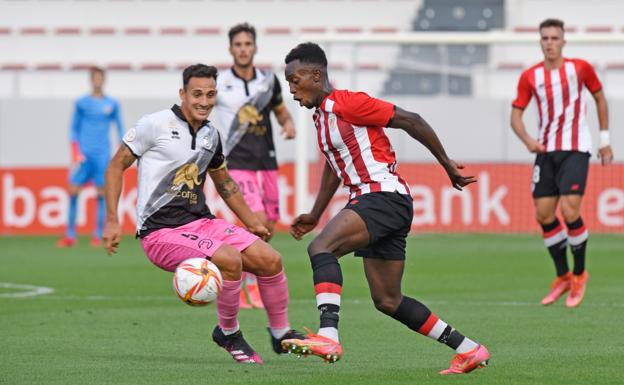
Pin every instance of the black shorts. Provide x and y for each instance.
(560, 173)
(388, 217)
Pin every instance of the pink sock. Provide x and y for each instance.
(274, 293)
(227, 304)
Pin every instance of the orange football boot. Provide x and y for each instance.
(558, 288)
(469, 361)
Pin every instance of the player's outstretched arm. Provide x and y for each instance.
(304, 223)
(112, 190)
(230, 192)
(519, 128)
(420, 130)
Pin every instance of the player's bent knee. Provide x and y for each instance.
(545, 218)
(318, 246)
(386, 305)
(262, 260)
(229, 262)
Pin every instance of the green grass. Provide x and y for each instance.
(116, 320)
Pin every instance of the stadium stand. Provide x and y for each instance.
(444, 15)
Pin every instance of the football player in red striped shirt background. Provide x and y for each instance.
(563, 149)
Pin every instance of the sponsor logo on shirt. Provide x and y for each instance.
(248, 114)
(188, 175)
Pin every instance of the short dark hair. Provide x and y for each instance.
(307, 53)
(198, 71)
(552, 23)
(95, 69)
(242, 27)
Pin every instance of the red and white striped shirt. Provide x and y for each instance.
(350, 132)
(561, 103)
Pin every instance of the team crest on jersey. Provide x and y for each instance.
(248, 114)
(130, 135)
(332, 121)
(208, 144)
(108, 109)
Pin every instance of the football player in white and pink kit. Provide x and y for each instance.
(177, 149)
(376, 221)
(563, 147)
(247, 97)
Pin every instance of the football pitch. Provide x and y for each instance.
(116, 320)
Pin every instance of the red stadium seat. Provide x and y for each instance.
(33, 31)
(172, 31)
(49, 67)
(67, 31)
(137, 31)
(525, 29)
(13, 67)
(153, 67)
(5, 31)
(207, 31)
(81, 66)
(619, 66)
(368, 67)
(102, 31)
(119, 66)
(313, 30)
(278, 31)
(510, 66)
(384, 30)
(599, 29)
(348, 29)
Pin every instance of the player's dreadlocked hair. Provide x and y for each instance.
(552, 23)
(242, 27)
(198, 71)
(307, 53)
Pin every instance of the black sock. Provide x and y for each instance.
(327, 277)
(419, 318)
(556, 241)
(577, 237)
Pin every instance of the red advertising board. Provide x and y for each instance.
(34, 200)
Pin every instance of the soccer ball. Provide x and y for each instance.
(197, 281)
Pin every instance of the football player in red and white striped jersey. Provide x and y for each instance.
(376, 221)
(563, 148)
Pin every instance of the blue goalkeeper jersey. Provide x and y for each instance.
(91, 124)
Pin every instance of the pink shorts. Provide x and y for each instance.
(166, 248)
(260, 190)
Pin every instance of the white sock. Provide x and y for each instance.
(279, 333)
(331, 333)
(466, 346)
(228, 332)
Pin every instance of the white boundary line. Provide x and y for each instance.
(173, 298)
(30, 290)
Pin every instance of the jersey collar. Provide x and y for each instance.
(238, 76)
(177, 111)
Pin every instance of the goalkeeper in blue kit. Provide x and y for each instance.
(90, 152)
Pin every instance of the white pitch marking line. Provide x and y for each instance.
(300, 301)
(28, 290)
